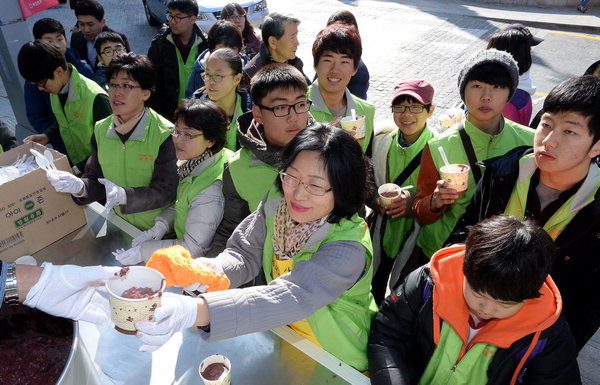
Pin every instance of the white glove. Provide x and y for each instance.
(175, 313)
(69, 291)
(115, 195)
(132, 256)
(65, 182)
(154, 233)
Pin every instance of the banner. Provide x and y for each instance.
(31, 7)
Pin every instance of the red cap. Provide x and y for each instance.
(418, 89)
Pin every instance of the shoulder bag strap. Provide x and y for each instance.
(466, 141)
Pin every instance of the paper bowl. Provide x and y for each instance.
(457, 176)
(125, 311)
(225, 378)
(387, 192)
(356, 127)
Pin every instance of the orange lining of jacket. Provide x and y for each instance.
(447, 263)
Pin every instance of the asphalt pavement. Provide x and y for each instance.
(426, 39)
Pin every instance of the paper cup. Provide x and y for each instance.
(125, 311)
(388, 192)
(450, 117)
(457, 176)
(211, 370)
(356, 127)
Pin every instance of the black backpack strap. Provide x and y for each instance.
(468, 146)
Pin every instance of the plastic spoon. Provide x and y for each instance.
(50, 159)
(353, 113)
(39, 159)
(443, 154)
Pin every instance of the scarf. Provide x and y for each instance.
(123, 127)
(290, 236)
(186, 167)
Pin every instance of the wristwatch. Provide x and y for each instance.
(11, 291)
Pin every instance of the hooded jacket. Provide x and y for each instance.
(534, 345)
(576, 269)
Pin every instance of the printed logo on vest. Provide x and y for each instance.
(488, 352)
(146, 157)
(78, 115)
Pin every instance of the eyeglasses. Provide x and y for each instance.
(284, 109)
(176, 19)
(111, 51)
(292, 181)
(124, 86)
(215, 78)
(235, 17)
(41, 84)
(413, 109)
(184, 135)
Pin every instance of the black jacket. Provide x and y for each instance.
(576, 269)
(259, 61)
(164, 57)
(79, 44)
(401, 343)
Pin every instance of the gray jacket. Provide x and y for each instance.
(312, 284)
(204, 215)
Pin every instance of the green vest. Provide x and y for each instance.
(76, 120)
(1, 149)
(321, 113)
(233, 126)
(486, 146)
(185, 68)
(251, 177)
(343, 326)
(443, 369)
(193, 185)
(131, 164)
(562, 217)
(398, 158)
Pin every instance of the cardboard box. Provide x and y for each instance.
(32, 214)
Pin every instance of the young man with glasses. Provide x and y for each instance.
(397, 149)
(77, 102)
(280, 111)
(108, 45)
(174, 51)
(90, 21)
(37, 102)
(336, 53)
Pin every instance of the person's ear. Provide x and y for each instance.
(595, 150)
(431, 109)
(210, 143)
(238, 78)
(103, 22)
(272, 42)
(146, 94)
(257, 114)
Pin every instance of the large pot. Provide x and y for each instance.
(36, 348)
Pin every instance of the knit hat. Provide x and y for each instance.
(489, 56)
(417, 89)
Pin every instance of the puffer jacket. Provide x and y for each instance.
(164, 57)
(576, 269)
(402, 342)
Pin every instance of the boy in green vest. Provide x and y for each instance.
(77, 102)
(336, 53)
(279, 112)
(486, 83)
(174, 51)
(396, 157)
(556, 183)
(486, 312)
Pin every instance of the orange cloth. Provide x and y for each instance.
(180, 269)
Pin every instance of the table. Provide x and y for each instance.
(278, 356)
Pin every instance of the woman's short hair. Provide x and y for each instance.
(206, 116)
(344, 161)
(138, 67)
(225, 33)
(343, 16)
(514, 42)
